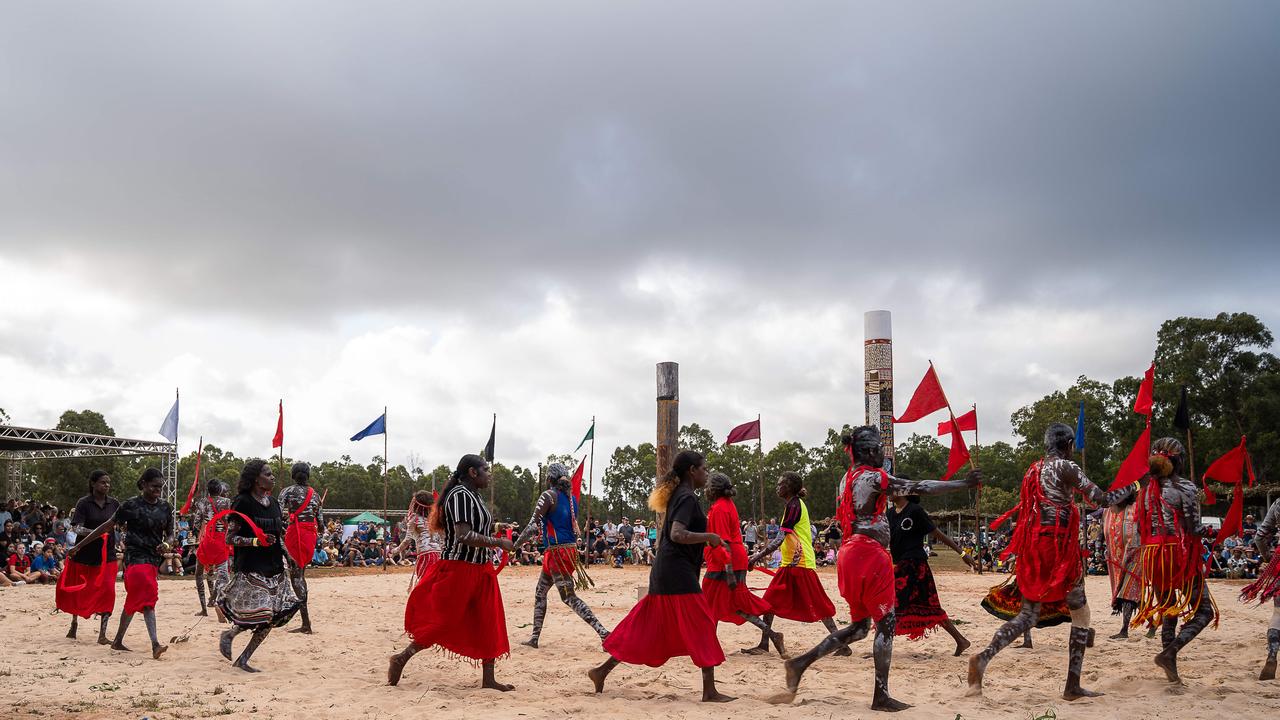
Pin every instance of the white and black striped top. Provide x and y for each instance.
(463, 505)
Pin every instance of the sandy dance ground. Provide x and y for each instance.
(340, 671)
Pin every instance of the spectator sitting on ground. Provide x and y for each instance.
(46, 566)
(20, 565)
(619, 554)
(319, 558)
(641, 550)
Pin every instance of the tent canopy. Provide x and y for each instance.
(365, 517)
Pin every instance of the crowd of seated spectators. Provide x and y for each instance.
(34, 538)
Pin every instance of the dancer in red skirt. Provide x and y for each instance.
(212, 552)
(917, 604)
(88, 582)
(795, 593)
(148, 524)
(864, 567)
(673, 619)
(725, 584)
(426, 542)
(300, 508)
(1267, 586)
(457, 605)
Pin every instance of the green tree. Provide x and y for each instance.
(1104, 420)
(627, 481)
(63, 482)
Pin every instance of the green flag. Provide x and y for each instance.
(591, 435)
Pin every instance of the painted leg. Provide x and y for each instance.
(774, 637)
(1020, 624)
(224, 640)
(103, 620)
(1273, 646)
(1168, 630)
(71, 634)
(962, 643)
(598, 674)
(832, 628)
(1126, 615)
(539, 609)
(1167, 660)
(1026, 639)
(396, 667)
(200, 583)
(709, 691)
(882, 650)
(120, 631)
(242, 662)
(1079, 640)
(298, 578)
(796, 667)
(763, 647)
(149, 617)
(579, 607)
(487, 680)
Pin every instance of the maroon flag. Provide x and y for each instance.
(745, 431)
(278, 440)
(959, 452)
(1142, 404)
(967, 421)
(928, 398)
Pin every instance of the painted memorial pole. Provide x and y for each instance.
(668, 420)
(877, 367)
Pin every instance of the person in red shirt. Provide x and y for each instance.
(20, 565)
(725, 583)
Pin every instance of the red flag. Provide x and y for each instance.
(967, 421)
(576, 481)
(1136, 465)
(1142, 405)
(927, 398)
(745, 431)
(1231, 469)
(1232, 524)
(195, 482)
(959, 452)
(278, 440)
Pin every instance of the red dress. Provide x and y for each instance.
(726, 603)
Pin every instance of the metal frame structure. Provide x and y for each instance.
(18, 444)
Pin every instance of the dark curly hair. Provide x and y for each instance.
(719, 485)
(148, 475)
(250, 472)
(794, 483)
(861, 440)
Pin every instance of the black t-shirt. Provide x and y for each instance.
(907, 531)
(267, 561)
(146, 526)
(676, 565)
(89, 515)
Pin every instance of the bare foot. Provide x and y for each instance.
(71, 634)
(962, 645)
(222, 617)
(1268, 670)
(1078, 692)
(102, 640)
(200, 613)
(884, 703)
(717, 697)
(224, 643)
(396, 668)
(977, 668)
(1169, 663)
(757, 650)
(495, 685)
(1026, 644)
(530, 643)
(843, 651)
(793, 674)
(305, 630)
(1122, 635)
(245, 666)
(597, 675)
(158, 650)
(779, 645)
(120, 646)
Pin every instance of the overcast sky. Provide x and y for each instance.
(455, 209)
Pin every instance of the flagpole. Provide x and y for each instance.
(591, 467)
(281, 462)
(977, 518)
(760, 461)
(386, 533)
(973, 463)
(493, 432)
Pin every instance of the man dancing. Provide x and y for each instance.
(864, 568)
(1267, 586)
(556, 513)
(211, 555)
(303, 518)
(1050, 564)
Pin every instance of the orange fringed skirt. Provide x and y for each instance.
(1172, 580)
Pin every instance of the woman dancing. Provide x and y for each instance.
(457, 605)
(673, 619)
(88, 583)
(918, 607)
(725, 584)
(257, 595)
(426, 542)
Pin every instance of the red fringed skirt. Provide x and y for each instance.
(918, 607)
(795, 593)
(422, 564)
(1267, 585)
(1172, 579)
(457, 606)
(865, 571)
(86, 590)
(1051, 566)
(661, 627)
(1005, 602)
(140, 588)
(725, 604)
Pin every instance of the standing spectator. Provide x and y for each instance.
(610, 535)
(626, 531)
(771, 530)
(749, 535)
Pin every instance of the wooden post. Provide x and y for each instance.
(668, 421)
(760, 462)
(977, 517)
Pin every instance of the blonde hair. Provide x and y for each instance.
(685, 461)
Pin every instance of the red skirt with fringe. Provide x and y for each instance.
(1172, 579)
(86, 590)
(918, 607)
(1051, 566)
(661, 627)
(140, 588)
(1267, 585)
(795, 593)
(725, 604)
(865, 571)
(457, 606)
(1005, 602)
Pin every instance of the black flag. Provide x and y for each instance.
(488, 448)
(1182, 418)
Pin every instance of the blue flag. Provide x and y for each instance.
(1080, 428)
(377, 427)
(169, 429)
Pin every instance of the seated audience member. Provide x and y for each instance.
(320, 557)
(20, 565)
(46, 566)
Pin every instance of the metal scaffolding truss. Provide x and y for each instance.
(18, 444)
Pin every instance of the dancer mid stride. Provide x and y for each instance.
(673, 619)
(257, 595)
(1050, 564)
(303, 516)
(211, 551)
(725, 583)
(148, 524)
(794, 593)
(1124, 561)
(1267, 586)
(1173, 586)
(88, 582)
(457, 605)
(556, 513)
(864, 567)
(917, 605)
(426, 542)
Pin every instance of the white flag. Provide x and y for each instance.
(169, 429)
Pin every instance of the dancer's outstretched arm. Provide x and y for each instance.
(946, 540)
(546, 503)
(898, 486)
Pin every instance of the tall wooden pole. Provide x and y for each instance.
(760, 462)
(668, 421)
(977, 518)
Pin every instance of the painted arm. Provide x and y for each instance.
(1096, 495)
(546, 503)
(946, 540)
(77, 522)
(900, 487)
(1267, 531)
(98, 532)
(769, 548)
(234, 540)
(467, 536)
